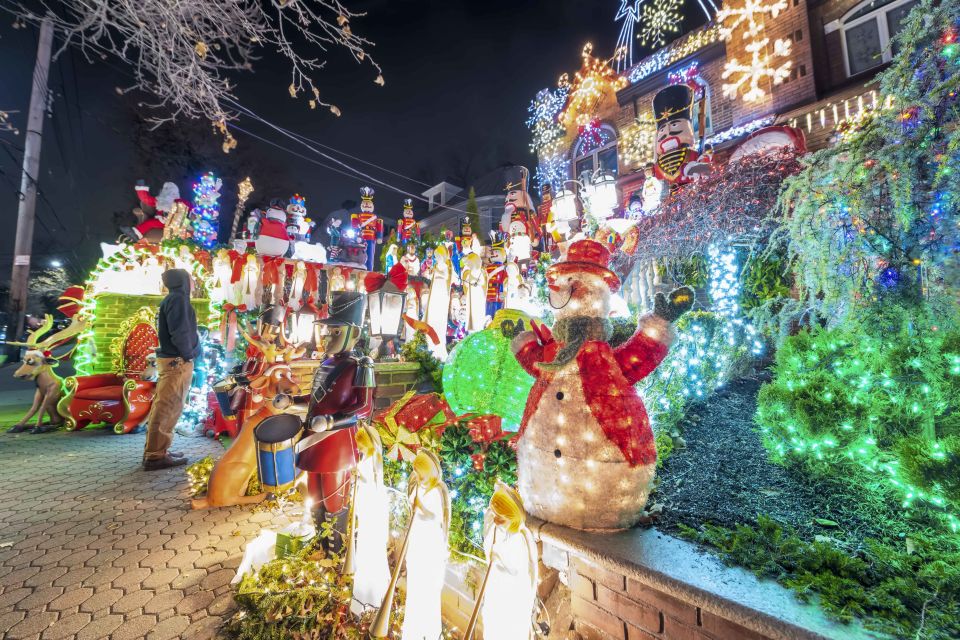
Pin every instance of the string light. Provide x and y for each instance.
(659, 18)
(595, 79)
(741, 130)
(747, 21)
(677, 50)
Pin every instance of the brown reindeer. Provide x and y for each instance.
(38, 365)
(270, 392)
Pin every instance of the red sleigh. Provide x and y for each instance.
(120, 399)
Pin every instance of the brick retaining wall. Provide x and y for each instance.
(393, 380)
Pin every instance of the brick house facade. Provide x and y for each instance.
(836, 49)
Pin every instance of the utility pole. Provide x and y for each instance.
(28, 183)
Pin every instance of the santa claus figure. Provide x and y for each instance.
(407, 228)
(674, 156)
(368, 226)
(586, 454)
(273, 239)
(153, 211)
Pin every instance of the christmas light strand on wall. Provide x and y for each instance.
(659, 19)
(747, 22)
(675, 51)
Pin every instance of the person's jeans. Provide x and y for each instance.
(173, 386)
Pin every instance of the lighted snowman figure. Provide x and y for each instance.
(519, 245)
(586, 454)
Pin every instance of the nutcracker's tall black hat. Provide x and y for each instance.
(346, 308)
(674, 102)
(516, 179)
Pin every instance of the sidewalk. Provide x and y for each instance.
(93, 547)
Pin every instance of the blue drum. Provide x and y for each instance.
(276, 437)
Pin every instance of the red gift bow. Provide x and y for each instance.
(237, 260)
(271, 270)
(374, 281)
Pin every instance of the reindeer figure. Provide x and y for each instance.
(38, 365)
(272, 391)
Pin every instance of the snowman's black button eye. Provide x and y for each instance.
(556, 453)
(559, 395)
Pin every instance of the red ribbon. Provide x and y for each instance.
(374, 281)
(312, 285)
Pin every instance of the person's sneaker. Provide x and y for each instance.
(163, 463)
(176, 454)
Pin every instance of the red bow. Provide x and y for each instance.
(237, 261)
(271, 270)
(374, 281)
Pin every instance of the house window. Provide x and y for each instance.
(596, 148)
(868, 30)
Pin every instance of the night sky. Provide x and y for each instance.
(459, 78)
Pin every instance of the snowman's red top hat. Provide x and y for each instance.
(586, 256)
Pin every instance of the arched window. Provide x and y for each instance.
(596, 148)
(867, 31)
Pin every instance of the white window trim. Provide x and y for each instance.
(880, 17)
(594, 152)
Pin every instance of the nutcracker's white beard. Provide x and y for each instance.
(572, 333)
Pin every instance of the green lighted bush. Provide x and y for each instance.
(881, 396)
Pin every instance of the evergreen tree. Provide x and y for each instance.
(473, 211)
(875, 216)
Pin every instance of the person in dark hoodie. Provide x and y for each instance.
(179, 346)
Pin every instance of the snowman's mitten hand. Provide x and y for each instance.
(670, 308)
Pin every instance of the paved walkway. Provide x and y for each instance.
(93, 547)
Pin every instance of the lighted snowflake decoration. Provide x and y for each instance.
(636, 140)
(751, 15)
(660, 18)
(748, 75)
(763, 65)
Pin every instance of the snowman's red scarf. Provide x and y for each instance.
(608, 376)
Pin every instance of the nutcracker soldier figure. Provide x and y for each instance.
(496, 256)
(343, 390)
(407, 228)
(674, 156)
(368, 226)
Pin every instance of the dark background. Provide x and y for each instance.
(459, 77)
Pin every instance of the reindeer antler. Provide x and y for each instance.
(77, 325)
(46, 326)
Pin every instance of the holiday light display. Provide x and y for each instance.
(747, 22)
(544, 110)
(595, 79)
(633, 12)
(206, 210)
(659, 19)
(740, 130)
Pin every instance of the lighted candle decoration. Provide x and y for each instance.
(371, 525)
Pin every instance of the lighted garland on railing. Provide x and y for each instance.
(677, 50)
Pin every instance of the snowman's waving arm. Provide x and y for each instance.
(645, 349)
(641, 354)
